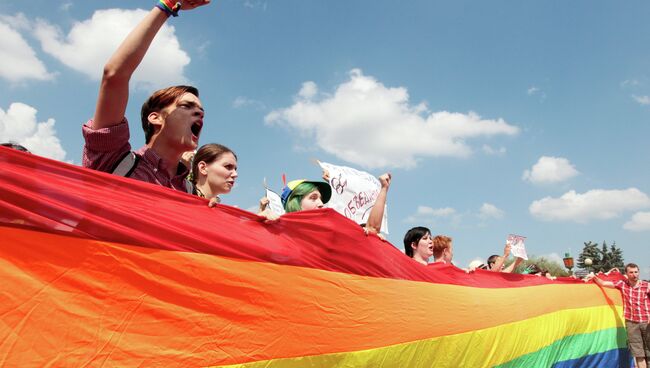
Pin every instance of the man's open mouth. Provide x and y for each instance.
(196, 128)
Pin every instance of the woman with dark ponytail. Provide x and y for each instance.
(214, 171)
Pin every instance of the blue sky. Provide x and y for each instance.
(493, 117)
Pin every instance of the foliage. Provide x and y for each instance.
(603, 258)
(555, 268)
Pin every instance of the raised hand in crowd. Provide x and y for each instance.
(373, 225)
(187, 158)
(265, 210)
(495, 263)
(326, 175)
(264, 202)
(191, 4)
(172, 118)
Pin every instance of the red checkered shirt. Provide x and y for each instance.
(636, 300)
(105, 147)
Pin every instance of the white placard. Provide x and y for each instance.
(354, 193)
(275, 202)
(517, 246)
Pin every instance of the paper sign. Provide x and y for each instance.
(275, 202)
(354, 193)
(517, 246)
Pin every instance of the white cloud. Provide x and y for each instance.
(630, 83)
(366, 123)
(640, 221)
(19, 61)
(90, 43)
(18, 21)
(66, 6)
(241, 102)
(489, 210)
(435, 212)
(643, 100)
(202, 49)
(494, 151)
(256, 4)
(425, 214)
(596, 204)
(533, 90)
(308, 90)
(549, 170)
(18, 124)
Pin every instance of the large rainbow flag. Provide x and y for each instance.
(98, 270)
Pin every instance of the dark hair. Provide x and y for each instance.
(631, 265)
(158, 101)
(440, 243)
(491, 260)
(15, 146)
(413, 236)
(208, 153)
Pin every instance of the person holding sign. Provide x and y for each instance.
(302, 195)
(495, 263)
(376, 216)
(359, 196)
(214, 171)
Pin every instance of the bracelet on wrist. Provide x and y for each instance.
(170, 7)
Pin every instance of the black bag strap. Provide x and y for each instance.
(129, 161)
(126, 165)
(189, 187)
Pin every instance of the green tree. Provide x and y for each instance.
(555, 268)
(616, 257)
(590, 251)
(603, 258)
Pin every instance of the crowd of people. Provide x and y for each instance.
(172, 120)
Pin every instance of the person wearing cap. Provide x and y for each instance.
(303, 195)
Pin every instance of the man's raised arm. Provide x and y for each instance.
(114, 88)
(377, 212)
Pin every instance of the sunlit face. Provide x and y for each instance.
(221, 173)
(311, 201)
(632, 274)
(424, 247)
(496, 260)
(448, 255)
(182, 123)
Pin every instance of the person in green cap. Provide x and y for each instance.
(303, 195)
